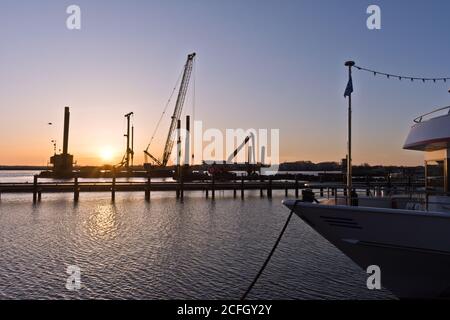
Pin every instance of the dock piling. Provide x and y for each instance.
(261, 191)
(181, 186)
(269, 188)
(35, 186)
(147, 190)
(76, 190)
(213, 187)
(113, 187)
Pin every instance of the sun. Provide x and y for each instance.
(107, 154)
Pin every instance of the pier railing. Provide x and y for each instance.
(265, 185)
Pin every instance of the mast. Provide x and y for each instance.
(349, 64)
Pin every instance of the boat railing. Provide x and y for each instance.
(426, 116)
(410, 199)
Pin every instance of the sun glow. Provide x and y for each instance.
(107, 154)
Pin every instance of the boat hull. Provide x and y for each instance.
(412, 248)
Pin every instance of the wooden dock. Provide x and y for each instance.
(239, 186)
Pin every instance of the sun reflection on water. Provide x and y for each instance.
(102, 223)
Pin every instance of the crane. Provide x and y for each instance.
(129, 152)
(238, 149)
(176, 113)
(224, 170)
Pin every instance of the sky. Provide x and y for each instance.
(260, 64)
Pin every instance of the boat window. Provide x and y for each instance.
(435, 175)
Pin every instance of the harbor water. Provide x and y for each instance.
(166, 249)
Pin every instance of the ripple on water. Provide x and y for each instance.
(167, 249)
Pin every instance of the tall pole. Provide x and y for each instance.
(187, 141)
(66, 130)
(349, 64)
(132, 145)
(128, 143)
(178, 160)
(129, 149)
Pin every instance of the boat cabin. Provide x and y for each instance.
(431, 134)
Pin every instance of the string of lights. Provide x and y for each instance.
(400, 77)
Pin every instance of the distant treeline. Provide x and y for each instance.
(341, 167)
(310, 166)
(37, 168)
(364, 169)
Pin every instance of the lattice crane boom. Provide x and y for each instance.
(178, 107)
(187, 71)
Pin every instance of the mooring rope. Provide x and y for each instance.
(244, 296)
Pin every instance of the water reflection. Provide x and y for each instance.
(102, 223)
(164, 249)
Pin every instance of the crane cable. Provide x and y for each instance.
(164, 111)
(271, 252)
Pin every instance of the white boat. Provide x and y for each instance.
(406, 236)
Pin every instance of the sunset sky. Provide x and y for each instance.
(260, 64)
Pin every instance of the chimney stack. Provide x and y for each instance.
(66, 130)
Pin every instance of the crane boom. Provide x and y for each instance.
(238, 149)
(153, 158)
(178, 108)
